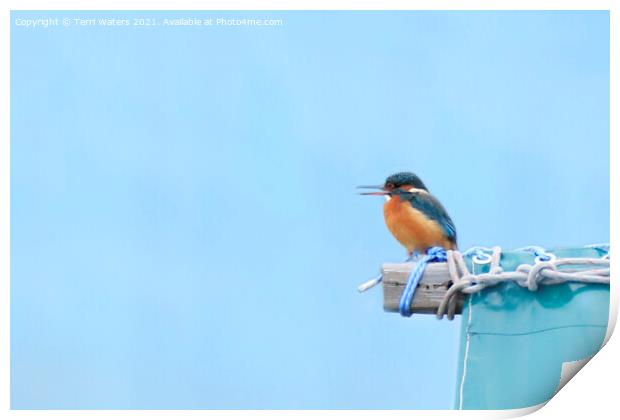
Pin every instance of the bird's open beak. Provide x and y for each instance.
(376, 187)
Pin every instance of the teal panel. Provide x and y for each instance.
(514, 341)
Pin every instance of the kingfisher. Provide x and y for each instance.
(416, 219)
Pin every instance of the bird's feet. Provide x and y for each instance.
(412, 256)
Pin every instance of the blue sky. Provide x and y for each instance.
(184, 226)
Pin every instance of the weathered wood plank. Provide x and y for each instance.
(431, 289)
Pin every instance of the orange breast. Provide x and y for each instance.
(411, 228)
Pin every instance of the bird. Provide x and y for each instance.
(414, 217)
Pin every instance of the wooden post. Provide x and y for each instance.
(431, 289)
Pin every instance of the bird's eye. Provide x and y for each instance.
(389, 186)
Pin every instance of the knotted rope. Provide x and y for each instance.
(547, 270)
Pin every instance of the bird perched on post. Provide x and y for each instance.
(416, 219)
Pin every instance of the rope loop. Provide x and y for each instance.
(536, 274)
(479, 255)
(539, 252)
(434, 254)
(544, 257)
(481, 258)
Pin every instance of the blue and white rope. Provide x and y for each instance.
(434, 254)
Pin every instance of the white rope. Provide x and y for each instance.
(546, 270)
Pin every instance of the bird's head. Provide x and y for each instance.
(401, 182)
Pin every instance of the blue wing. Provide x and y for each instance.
(432, 208)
